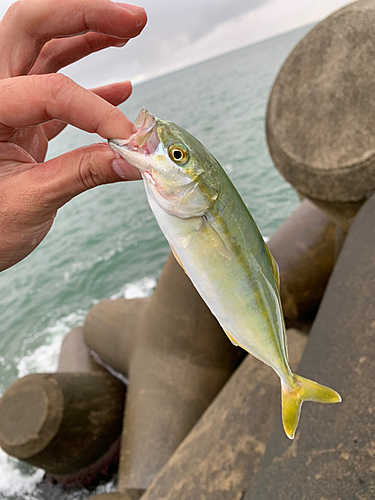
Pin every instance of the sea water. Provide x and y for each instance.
(106, 243)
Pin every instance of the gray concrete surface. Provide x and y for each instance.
(219, 457)
(333, 453)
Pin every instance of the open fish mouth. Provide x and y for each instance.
(141, 144)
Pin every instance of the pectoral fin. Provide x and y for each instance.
(215, 237)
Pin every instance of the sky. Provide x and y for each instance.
(180, 33)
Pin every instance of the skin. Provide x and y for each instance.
(37, 39)
(217, 242)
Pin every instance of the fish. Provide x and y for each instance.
(218, 244)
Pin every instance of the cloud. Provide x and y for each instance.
(262, 19)
(193, 19)
(173, 26)
(182, 32)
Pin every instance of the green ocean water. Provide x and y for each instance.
(106, 243)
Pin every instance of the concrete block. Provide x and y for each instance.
(111, 496)
(320, 113)
(332, 456)
(181, 360)
(176, 357)
(75, 356)
(110, 329)
(61, 422)
(219, 457)
(304, 247)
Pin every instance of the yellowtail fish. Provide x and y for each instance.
(216, 241)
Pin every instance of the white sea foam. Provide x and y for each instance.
(138, 289)
(45, 357)
(13, 482)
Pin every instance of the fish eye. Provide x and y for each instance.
(178, 154)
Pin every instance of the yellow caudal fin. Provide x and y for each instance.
(302, 390)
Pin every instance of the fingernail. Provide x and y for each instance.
(140, 22)
(134, 9)
(120, 43)
(138, 12)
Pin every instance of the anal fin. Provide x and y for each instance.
(177, 257)
(234, 342)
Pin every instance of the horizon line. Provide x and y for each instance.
(257, 42)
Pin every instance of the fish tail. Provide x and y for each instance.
(294, 394)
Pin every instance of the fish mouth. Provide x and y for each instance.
(141, 144)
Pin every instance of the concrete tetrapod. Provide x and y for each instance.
(219, 457)
(111, 330)
(333, 453)
(304, 249)
(75, 355)
(179, 361)
(320, 113)
(65, 423)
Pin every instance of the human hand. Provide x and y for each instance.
(37, 38)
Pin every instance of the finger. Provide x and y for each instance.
(32, 100)
(57, 181)
(115, 93)
(33, 140)
(28, 25)
(59, 53)
(53, 128)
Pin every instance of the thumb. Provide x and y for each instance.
(58, 180)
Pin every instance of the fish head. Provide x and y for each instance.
(175, 166)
